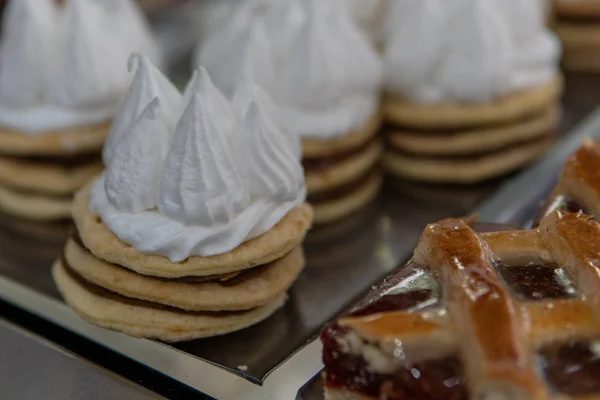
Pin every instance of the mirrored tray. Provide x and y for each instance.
(275, 358)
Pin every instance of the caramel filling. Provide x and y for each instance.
(229, 279)
(69, 161)
(102, 292)
(444, 131)
(342, 191)
(319, 164)
(470, 156)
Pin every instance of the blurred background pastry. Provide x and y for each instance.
(62, 77)
(578, 26)
(472, 88)
(323, 72)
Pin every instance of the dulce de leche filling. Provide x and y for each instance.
(472, 155)
(102, 292)
(344, 190)
(68, 161)
(229, 279)
(320, 164)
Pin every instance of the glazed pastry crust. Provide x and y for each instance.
(511, 107)
(274, 244)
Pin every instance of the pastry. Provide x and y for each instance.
(323, 73)
(195, 228)
(578, 26)
(370, 16)
(578, 188)
(62, 78)
(464, 107)
(500, 315)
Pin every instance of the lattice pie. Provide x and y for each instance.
(502, 315)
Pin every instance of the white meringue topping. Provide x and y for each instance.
(264, 155)
(329, 83)
(467, 50)
(282, 21)
(311, 58)
(217, 104)
(478, 65)
(148, 83)
(143, 152)
(220, 183)
(201, 184)
(248, 55)
(247, 93)
(369, 15)
(62, 66)
(28, 34)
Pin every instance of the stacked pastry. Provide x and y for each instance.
(195, 228)
(478, 97)
(578, 26)
(61, 82)
(321, 69)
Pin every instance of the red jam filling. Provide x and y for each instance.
(536, 282)
(572, 369)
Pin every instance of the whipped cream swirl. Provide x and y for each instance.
(223, 174)
(312, 59)
(468, 50)
(62, 65)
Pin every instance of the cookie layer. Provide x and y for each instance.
(579, 36)
(272, 245)
(509, 108)
(34, 206)
(53, 232)
(347, 170)
(313, 148)
(77, 140)
(340, 207)
(252, 293)
(463, 171)
(46, 178)
(580, 8)
(152, 323)
(476, 140)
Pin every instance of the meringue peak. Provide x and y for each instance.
(247, 93)
(148, 83)
(269, 166)
(479, 65)
(282, 22)
(218, 179)
(468, 50)
(219, 106)
(133, 177)
(201, 184)
(249, 56)
(28, 31)
(62, 65)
